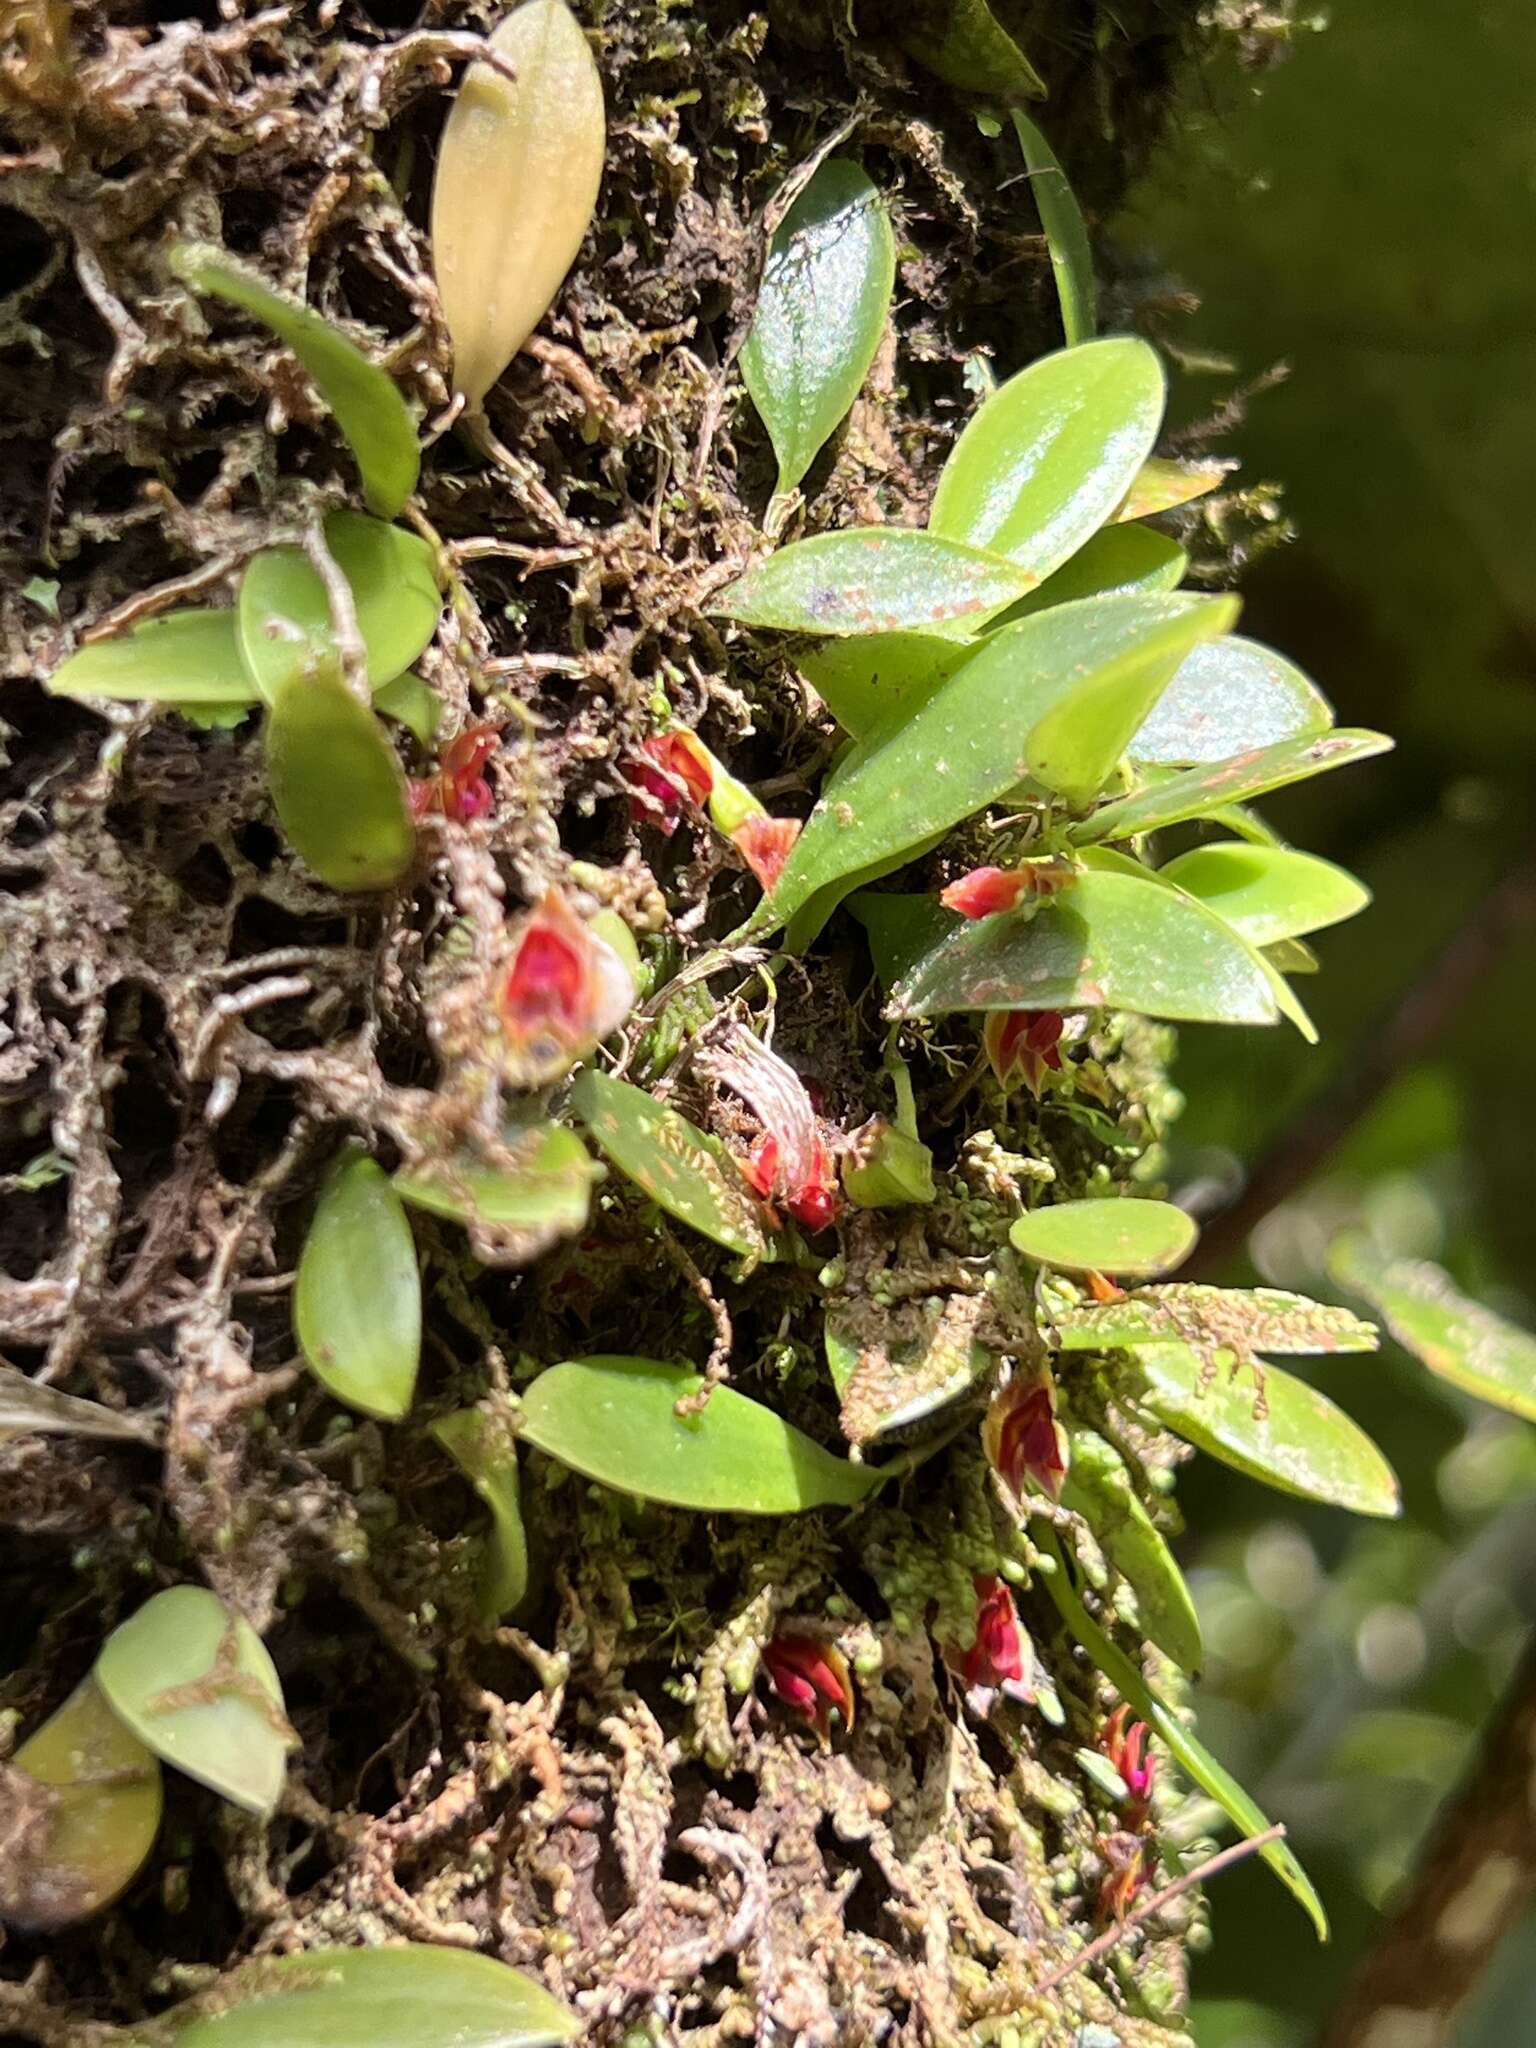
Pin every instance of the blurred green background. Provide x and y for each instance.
(1365, 213)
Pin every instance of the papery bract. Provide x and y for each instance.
(1027, 1446)
(1125, 1859)
(764, 844)
(1023, 1045)
(559, 993)
(811, 1677)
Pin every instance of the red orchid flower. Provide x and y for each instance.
(792, 1162)
(1125, 1859)
(1027, 1446)
(984, 892)
(459, 789)
(814, 1200)
(764, 843)
(1126, 1749)
(1023, 1045)
(561, 991)
(998, 1654)
(811, 1677)
(673, 766)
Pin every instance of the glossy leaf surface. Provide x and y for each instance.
(1459, 1340)
(1268, 893)
(615, 1420)
(194, 1683)
(366, 402)
(902, 929)
(671, 1161)
(1224, 1324)
(1292, 1437)
(410, 1996)
(1126, 1236)
(1191, 1755)
(545, 1195)
(820, 313)
(285, 619)
(863, 678)
(413, 703)
(1200, 791)
(485, 1451)
(1115, 558)
(1078, 742)
(1160, 485)
(1065, 234)
(963, 42)
(337, 784)
(1098, 1487)
(103, 1812)
(1110, 942)
(1229, 696)
(188, 659)
(518, 170)
(1046, 458)
(874, 579)
(357, 1300)
(895, 1369)
(927, 766)
(28, 1405)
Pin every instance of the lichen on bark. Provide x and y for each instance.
(608, 1796)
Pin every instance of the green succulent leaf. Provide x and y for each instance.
(1116, 558)
(1078, 743)
(1459, 1340)
(485, 1451)
(902, 930)
(1283, 1433)
(1292, 956)
(337, 785)
(1228, 697)
(1224, 1324)
(190, 660)
(413, 703)
(366, 402)
(1098, 1487)
(874, 579)
(357, 1300)
(615, 1420)
(670, 1160)
(1191, 1755)
(1160, 485)
(962, 746)
(861, 679)
(1268, 893)
(962, 42)
(896, 1368)
(1045, 459)
(1065, 234)
(1200, 791)
(1124, 1235)
(30, 1406)
(194, 1683)
(1110, 942)
(542, 1197)
(285, 617)
(414, 1995)
(103, 1813)
(886, 1168)
(820, 314)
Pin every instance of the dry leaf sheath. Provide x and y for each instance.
(517, 179)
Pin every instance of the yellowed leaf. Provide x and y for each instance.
(517, 178)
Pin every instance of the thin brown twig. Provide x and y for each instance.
(1235, 1852)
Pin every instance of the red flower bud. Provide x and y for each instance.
(1022, 1045)
(999, 1653)
(673, 766)
(1126, 1749)
(561, 991)
(986, 891)
(1025, 1443)
(764, 843)
(1125, 1858)
(811, 1678)
(459, 789)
